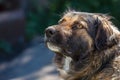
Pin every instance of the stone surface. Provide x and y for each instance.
(35, 63)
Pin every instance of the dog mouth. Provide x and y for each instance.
(57, 48)
(51, 45)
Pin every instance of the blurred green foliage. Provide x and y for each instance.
(41, 16)
(5, 47)
(43, 13)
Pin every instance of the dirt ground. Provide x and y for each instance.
(35, 63)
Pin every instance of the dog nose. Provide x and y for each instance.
(50, 31)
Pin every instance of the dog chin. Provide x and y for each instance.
(53, 47)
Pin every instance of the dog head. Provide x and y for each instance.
(77, 33)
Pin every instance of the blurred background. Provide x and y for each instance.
(23, 55)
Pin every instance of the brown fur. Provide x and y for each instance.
(91, 41)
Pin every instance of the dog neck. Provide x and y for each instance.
(67, 63)
(89, 65)
(94, 63)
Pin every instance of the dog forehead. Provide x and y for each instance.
(75, 16)
(70, 17)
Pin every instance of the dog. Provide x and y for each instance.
(86, 46)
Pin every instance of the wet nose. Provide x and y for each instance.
(50, 31)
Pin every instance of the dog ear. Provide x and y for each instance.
(103, 32)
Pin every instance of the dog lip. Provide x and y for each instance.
(46, 39)
(63, 51)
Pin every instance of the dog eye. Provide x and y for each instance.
(77, 26)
